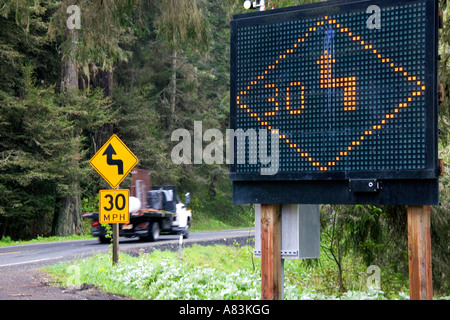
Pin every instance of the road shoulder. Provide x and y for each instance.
(38, 285)
(28, 282)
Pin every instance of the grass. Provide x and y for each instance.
(214, 272)
(204, 223)
(220, 214)
(202, 273)
(7, 241)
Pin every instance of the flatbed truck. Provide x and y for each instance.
(152, 212)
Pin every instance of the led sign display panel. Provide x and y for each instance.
(347, 88)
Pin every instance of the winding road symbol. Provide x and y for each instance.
(109, 152)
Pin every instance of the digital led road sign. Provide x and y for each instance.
(349, 89)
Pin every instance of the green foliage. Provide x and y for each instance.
(37, 165)
(22, 10)
(440, 215)
(7, 241)
(219, 272)
(32, 158)
(181, 24)
(89, 204)
(378, 236)
(106, 29)
(444, 77)
(23, 43)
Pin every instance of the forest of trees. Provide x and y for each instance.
(140, 69)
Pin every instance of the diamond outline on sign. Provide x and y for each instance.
(91, 161)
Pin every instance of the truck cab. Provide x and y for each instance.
(183, 217)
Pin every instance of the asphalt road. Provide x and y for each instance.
(37, 255)
(21, 278)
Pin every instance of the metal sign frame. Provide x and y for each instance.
(401, 185)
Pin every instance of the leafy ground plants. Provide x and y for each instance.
(214, 272)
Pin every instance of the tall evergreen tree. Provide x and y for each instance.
(96, 43)
(182, 25)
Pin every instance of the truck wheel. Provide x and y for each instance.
(186, 231)
(104, 240)
(154, 231)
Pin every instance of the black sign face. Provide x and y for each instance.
(348, 89)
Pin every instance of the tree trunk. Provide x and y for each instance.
(336, 241)
(67, 218)
(69, 70)
(103, 79)
(341, 280)
(173, 86)
(106, 82)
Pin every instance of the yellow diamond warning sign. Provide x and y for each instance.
(114, 161)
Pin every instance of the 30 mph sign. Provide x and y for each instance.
(114, 206)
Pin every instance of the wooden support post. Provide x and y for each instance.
(271, 269)
(419, 253)
(115, 248)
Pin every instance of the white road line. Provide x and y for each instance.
(25, 262)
